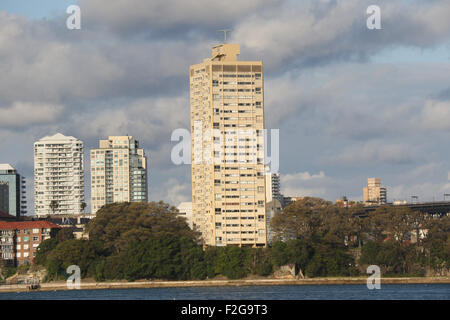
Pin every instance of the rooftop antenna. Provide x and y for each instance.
(224, 34)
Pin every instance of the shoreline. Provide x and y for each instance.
(91, 285)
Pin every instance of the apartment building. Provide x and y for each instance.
(19, 240)
(227, 149)
(58, 175)
(13, 198)
(273, 187)
(118, 172)
(185, 209)
(374, 193)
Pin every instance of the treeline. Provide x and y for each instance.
(400, 241)
(149, 241)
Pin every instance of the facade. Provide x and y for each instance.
(12, 191)
(58, 175)
(273, 187)
(118, 172)
(185, 209)
(76, 223)
(272, 208)
(374, 193)
(19, 240)
(227, 149)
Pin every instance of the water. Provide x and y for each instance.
(299, 292)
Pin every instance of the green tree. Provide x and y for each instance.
(119, 224)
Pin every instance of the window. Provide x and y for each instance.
(25, 247)
(25, 254)
(19, 255)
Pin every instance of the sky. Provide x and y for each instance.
(350, 103)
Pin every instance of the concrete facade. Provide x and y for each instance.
(12, 191)
(58, 175)
(118, 172)
(185, 209)
(227, 146)
(374, 193)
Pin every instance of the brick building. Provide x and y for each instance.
(19, 240)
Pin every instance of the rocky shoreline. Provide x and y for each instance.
(91, 285)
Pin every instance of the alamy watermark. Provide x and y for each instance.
(74, 20)
(374, 281)
(374, 20)
(212, 146)
(74, 280)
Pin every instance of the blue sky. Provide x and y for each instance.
(350, 103)
(36, 9)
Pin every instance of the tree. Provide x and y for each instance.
(83, 206)
(119, 224)
(301, 219)
(391, 222)
(54, 205)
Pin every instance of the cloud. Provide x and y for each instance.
(156, 17)
(172, 191)
(314, 33)
(24, 114)
(436, 115)
(374, 152)
(305, 184)
(338, 110)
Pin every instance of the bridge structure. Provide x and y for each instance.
(440, 208)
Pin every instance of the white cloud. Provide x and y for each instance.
(25, 114)
(305, 184)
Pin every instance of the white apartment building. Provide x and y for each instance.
(118, 172)
(58, 175)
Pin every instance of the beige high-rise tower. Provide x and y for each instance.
(118, 172)
(374, 193)
(227, 143)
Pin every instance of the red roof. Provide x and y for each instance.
(27, 225)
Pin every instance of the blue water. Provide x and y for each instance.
(300, 292)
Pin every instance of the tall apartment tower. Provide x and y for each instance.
(374, 193)
(227, 143)
(118, 172)
(58, 175)
(12, 191)
(273, 187)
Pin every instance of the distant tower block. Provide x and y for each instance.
(374, 193)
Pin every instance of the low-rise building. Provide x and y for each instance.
(19, 240)
(77, 223)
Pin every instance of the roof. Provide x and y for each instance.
(27, 225)
(58, 137)
(6, 166)
(6, 215)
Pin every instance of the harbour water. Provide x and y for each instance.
(288, 292)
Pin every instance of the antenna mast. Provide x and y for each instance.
(225, 31)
